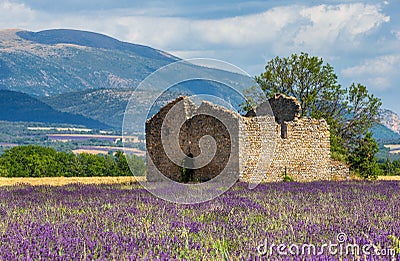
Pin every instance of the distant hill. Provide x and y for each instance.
(109, 105)
(54, 62)
(388, 129)
(18, 106)
(383, 134)
(390, 119)
(93, 75)
(58, 61)
(94, 40)
(105, 105)
(87, 78)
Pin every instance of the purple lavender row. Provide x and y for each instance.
(120, 222)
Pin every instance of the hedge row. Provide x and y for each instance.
(37, 161)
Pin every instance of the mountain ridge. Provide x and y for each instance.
(90, 39)
(93, 75)
(73, 61)
(390, 119)
(20, 107)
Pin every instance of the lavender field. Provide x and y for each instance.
(125, 222)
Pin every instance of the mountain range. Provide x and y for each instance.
(58, 61)
(85, 78)
(390, 120)
(17, 106)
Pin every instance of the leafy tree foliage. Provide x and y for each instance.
(350, 112)
(36, 161)
(390, 168)
(363, 158)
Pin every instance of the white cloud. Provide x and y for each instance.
(13, 15)
(320, 28)
(324, 30)
(379, 65)
(316, 28)
(247, 30)
(339, 24)
(379, 73)
(181, 33)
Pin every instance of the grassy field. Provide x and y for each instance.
(60, 181)
(395, 178)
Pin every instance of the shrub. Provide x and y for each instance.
(36, 161)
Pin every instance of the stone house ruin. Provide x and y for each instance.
(260, 146)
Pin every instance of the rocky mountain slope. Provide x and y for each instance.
(390, 119)
(58, 61)
(93, 76)
(109, 105)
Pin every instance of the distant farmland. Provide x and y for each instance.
(106, 149)
(394, 148)
(77, 137)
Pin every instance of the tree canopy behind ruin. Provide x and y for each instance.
(350, 111)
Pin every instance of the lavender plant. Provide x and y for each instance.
(125, 222)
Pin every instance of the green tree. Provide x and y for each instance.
(92, 165)
(122, 164)
(30, 161)
(350, 112)
(387, 167)
(361, 112)
(390, 168)
(308, 79)
(137, 165)
(363, 158)
(69, 165)
(396, 166)
(36, 161)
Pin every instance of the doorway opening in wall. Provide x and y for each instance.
(187, 169)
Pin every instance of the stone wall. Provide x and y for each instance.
(304, 153)
(181, 122)
(261, 147)
(258, 138)
(155, 148)
(339, 170)
(213, 121)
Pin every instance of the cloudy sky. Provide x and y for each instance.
(360, 39)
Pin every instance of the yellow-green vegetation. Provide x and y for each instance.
(60, 181)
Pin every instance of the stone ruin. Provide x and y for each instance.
(262, 145)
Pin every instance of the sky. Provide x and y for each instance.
(360, 39)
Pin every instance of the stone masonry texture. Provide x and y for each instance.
(263, 145)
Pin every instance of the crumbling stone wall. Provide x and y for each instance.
(284, 108)
(156, 155)
(190, 124)
(264, 144)
(208, 120)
